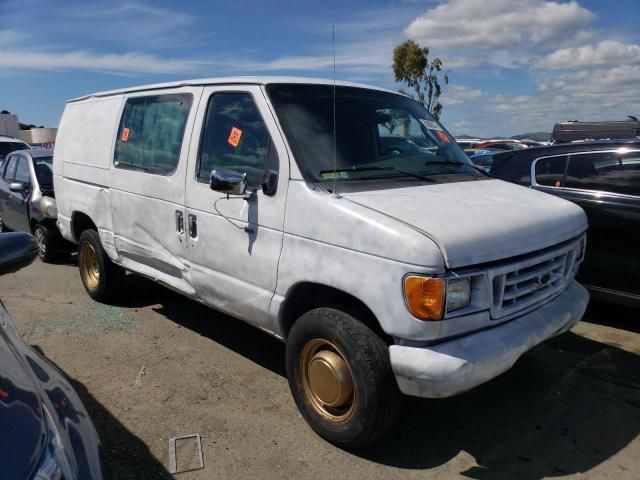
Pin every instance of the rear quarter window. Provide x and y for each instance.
(605, 171)
(550, 171)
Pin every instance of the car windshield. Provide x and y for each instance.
(8, 147)
(44, 170)
(378, 135)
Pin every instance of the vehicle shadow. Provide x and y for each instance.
(566, 407)
(612, 315)
(248, 341)
(127, 455)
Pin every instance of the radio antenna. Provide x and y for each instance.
(335, 154)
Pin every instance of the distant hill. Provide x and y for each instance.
(537, 136)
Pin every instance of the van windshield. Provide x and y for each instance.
(379, 135)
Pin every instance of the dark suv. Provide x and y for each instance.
(603, 178)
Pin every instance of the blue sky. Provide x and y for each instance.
(515, 66)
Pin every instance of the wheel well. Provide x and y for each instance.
(307, 296)
(79, 223)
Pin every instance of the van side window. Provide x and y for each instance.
(151, 132)
(235, 138)
(550, 171)
(605, 171)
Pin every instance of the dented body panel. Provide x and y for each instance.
(247, 255)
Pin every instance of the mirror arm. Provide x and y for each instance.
(248, 198)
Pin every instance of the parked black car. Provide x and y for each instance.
(45, 431)
(604, 179)
(27, 200)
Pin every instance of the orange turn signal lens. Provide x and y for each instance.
(425, 296)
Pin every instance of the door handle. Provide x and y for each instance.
(179, 222)
(193, 226)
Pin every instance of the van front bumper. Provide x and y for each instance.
(453, 367)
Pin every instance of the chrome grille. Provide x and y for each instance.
(519, 285)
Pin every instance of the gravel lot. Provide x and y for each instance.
(158, 366)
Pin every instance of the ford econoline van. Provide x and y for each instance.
(280, 201)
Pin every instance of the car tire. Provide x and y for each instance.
(341, 379)
(102, 279)
(45, 243)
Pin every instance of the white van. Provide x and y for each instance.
(341, 219)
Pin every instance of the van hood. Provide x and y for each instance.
(482, 221)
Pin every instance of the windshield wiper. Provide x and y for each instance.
(362, 168)
(449, 162)
(443, 162)
(481, 170)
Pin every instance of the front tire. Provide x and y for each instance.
(102, 279)
(45, 243)
(341, 379)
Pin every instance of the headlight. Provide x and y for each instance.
(53, 463)
(426, 297)
(458, 293)
(48, 207)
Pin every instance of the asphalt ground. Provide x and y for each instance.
(157, 366)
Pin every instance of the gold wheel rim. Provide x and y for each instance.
(327, 380)
(89, 268)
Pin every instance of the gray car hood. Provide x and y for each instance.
(481, 221)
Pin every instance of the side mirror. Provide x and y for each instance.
(229, 182)
(17, 187)
(17, 250)
(270, 182)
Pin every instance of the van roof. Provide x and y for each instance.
(248, 80)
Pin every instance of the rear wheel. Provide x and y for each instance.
(340, 378)
(102, 279)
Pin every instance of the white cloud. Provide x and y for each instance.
(459, 95)
(133, 24)
(501, 24)
(372, 57)
(85, 60)
(9, 37)
(604, 54)
(607, 93)
(578, 71)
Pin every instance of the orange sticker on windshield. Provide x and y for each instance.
(125, 134)
(234, 136)
(443, 136)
